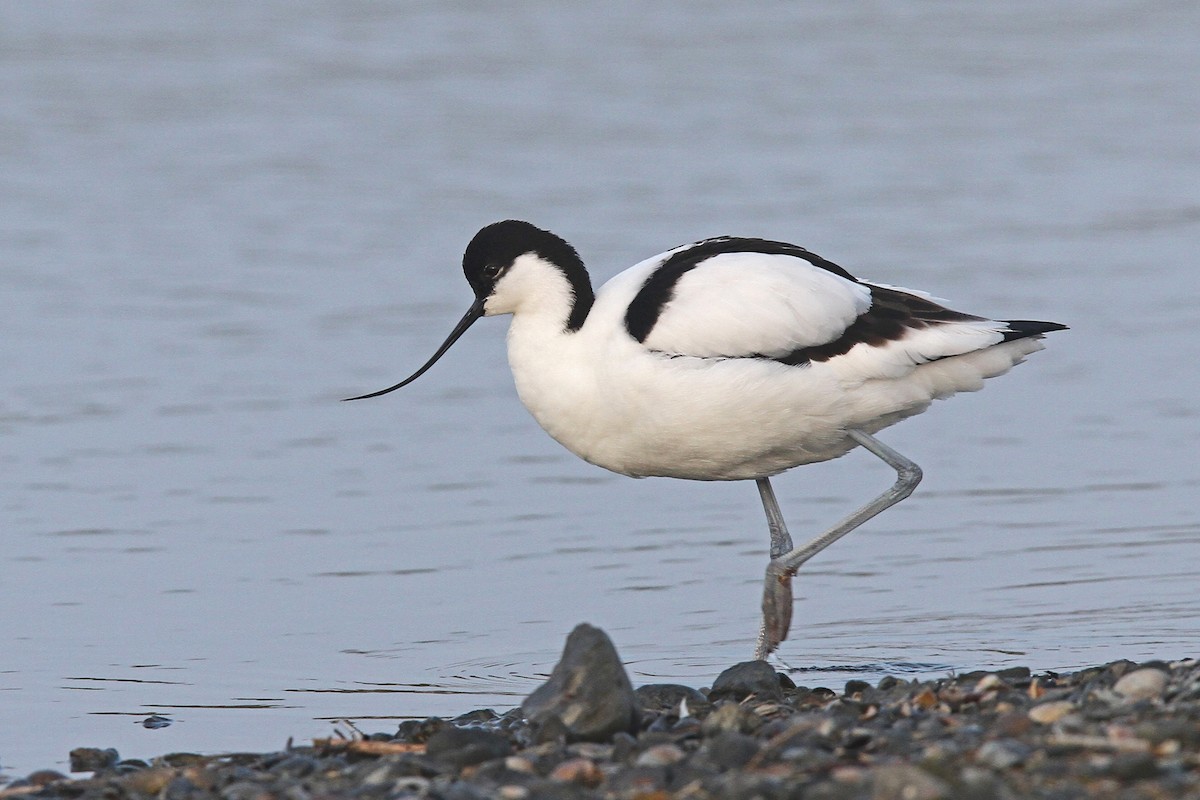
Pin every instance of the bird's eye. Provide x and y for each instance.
(493, 270)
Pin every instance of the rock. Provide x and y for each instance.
(989, 682)
(588, 690)
(419, 730)
(730, 750)
(906, 782)
(668, 696)
(91, 759)
(1142, 684)
(582, 771)
(45, 777)
(1012, 724)
(455, 748)
(660, 755)
(1133, 767)
(1003, 753)
(1048, 713)
(150, 782)
(731, 717)
(740, 681)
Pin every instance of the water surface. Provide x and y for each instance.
(216, 221)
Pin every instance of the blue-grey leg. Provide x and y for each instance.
(781, 540)
(777, 588)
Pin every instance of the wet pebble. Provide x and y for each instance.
(91, 759)
(757, 678)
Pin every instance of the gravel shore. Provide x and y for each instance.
(1120, 730)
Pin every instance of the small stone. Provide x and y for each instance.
(668, 696)
(91, 759)
(379, 776)
(1142, 684)
(512, 792)
(417, 731)
(45, 777)
(551, 729)
(660, 755)
(295, 767)
(456, 748)
(591, 750)
(243, 790)
(1018, 676)
(1049, 713)
(1003, 753)
(582, 771)
(730, 750)
(1161, 730)
(988, 682)
(520, 764)
(624, 747)
(410, 784)
(926, 699)
(588, 690)
(1012, 724)
(731, 717)
(740, 681)
(1133, 767)
(150, 781)
(481, 716)
(182, 760)
(906, 782)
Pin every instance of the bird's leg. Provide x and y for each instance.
(777, 589)
(781, 540)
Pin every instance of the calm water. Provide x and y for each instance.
(216, 220)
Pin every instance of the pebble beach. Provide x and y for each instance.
(1123, 729)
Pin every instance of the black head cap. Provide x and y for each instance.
(497, 246)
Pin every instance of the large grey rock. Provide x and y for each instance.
(588, 690)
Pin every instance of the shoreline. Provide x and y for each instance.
(1121, 728)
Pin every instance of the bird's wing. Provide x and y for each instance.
(744, 298)
(749, 298)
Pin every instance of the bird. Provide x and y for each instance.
(731, 358)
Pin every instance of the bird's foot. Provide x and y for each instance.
(777, 610)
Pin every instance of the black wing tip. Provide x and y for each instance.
(1025, 328)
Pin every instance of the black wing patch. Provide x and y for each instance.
(892, 315)
(659, 288)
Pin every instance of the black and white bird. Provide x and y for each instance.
(727, 359)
